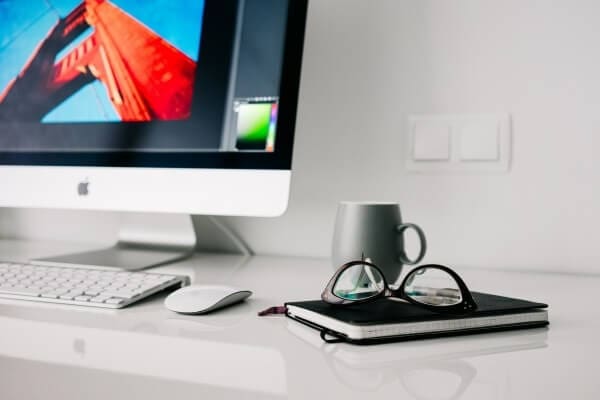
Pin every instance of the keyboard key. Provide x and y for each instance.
(146, 288)
(99, 299)
(19, 291)
(131, 287)
(58, 292)
(115, 286)
(114, 301)
(121, 294)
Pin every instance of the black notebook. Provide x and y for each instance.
(386, 319)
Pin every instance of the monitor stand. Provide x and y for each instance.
(150, 240)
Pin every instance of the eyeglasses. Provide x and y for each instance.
(432, 286)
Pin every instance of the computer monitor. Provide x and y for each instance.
(180, 107)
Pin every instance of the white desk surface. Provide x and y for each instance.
(146, 352)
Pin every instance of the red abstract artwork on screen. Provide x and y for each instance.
(146, 78)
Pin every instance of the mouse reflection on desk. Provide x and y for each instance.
(203, 299)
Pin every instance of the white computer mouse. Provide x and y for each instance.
(202, 299)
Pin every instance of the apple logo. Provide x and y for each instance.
(83, 188)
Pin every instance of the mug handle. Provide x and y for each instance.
(403, 258)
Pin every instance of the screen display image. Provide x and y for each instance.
(98, 60)
(157, 83)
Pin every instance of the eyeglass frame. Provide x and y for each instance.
(467, 304)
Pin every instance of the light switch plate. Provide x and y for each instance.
(432, 141)
(475, 143)
(478, 140)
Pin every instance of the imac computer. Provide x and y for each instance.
(156, 109)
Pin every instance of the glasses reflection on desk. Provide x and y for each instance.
(437, 369)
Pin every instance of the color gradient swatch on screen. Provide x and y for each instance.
(255, 123)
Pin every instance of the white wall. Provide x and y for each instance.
(371, 63)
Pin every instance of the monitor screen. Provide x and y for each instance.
(165, 84)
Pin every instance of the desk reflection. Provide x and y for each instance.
(436, 369)
(169, 351)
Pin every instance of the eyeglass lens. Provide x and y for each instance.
(359, 282)
(433, 287)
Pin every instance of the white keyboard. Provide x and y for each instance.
(81, 286)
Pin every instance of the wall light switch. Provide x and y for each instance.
(479, 140)
(474, 143)
(431, 141)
